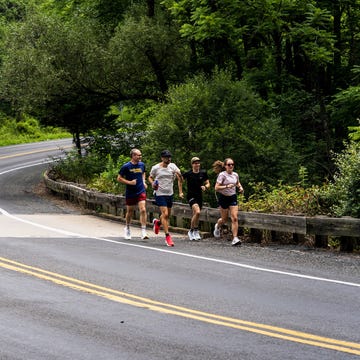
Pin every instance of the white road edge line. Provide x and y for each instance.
(26, 166)
(250, 267)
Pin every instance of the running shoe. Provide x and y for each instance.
(144, 235)
(127, 234)
(216, 231)
(236, 241)
(168, 240)
(191, 235)
(156, 226)
(196, 235)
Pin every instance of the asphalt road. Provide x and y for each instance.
(72, 288)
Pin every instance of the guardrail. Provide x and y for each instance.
(260, 225)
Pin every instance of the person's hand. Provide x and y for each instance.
(203, 188)
(230, 186)
(181, 195)
(132, 182)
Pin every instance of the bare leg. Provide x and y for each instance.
(129, 214)
(164, 218)
(143, 215)
(224, 213)
(195, 217)
(234, 220)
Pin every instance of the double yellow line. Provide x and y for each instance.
(133, 300)
(34, 152)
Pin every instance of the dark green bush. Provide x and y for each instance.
(215, 118)
(76, 168)
(283, 199)
(107, 181)
(343, 193)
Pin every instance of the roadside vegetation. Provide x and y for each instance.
(28, 130)
(274, 85)
(338, 197)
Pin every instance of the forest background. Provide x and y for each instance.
(273, 84)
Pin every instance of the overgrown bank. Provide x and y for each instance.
(27, 130)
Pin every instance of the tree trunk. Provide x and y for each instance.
(76, 140)
(157, 70)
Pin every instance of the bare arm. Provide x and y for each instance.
(206, 185)
(144, 180)
(239, 186)
(219, 186)
(151, 181)
(122, 180)
(180, 182)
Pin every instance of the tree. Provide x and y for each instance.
(345, 108)
(55, 72)
(279, 47)
(217, 118)
(147, 55)
(68, 74)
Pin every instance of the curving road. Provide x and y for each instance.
(72, 288)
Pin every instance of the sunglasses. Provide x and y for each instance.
(231, 164)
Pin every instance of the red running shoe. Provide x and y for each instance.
(168, 240)
(156, 226)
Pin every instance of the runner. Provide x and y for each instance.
(132, 174)
(197, 182)
(161, 178)
(226, 184)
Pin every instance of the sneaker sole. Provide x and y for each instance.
(236, 244)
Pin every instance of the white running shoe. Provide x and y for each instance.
(216, 231)
(197, 235)
(191, 235)
(236, 241)
(144, 235)
(127, 234)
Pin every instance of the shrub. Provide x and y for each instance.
(282, 199)
(343, 193)
(76, 168)
(106, 181)
(216, 117)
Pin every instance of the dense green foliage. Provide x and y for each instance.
(343, 193)
(297, 199)
(218, 118)
(27, 130)
(78, 169)
(273, 84)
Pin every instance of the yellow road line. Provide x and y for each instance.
(134, 300)
(34, 152)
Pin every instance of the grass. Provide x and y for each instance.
(26, 131)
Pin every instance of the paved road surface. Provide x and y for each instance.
(72, 288)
